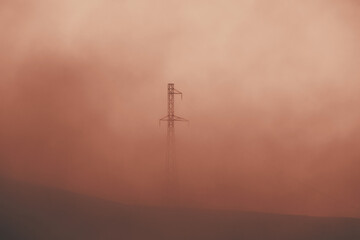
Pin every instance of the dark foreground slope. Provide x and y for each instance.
(29, 212)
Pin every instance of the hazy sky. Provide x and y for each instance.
(271, 88)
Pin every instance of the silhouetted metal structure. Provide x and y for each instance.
(170, 150)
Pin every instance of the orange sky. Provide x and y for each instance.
(272, 91)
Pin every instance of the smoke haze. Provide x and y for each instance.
(271, 88)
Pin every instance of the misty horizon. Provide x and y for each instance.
(271, 89)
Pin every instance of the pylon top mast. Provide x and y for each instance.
(171, 105)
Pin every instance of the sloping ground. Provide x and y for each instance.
(30, 212)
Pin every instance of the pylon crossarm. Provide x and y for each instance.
(166, 118)
(176, 118)
(178, 92)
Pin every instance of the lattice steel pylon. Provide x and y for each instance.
(171, 118)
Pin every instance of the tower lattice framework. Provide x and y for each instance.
(171, 168)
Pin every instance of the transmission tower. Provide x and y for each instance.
(171, 170)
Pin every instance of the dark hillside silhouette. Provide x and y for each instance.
(32, 212)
